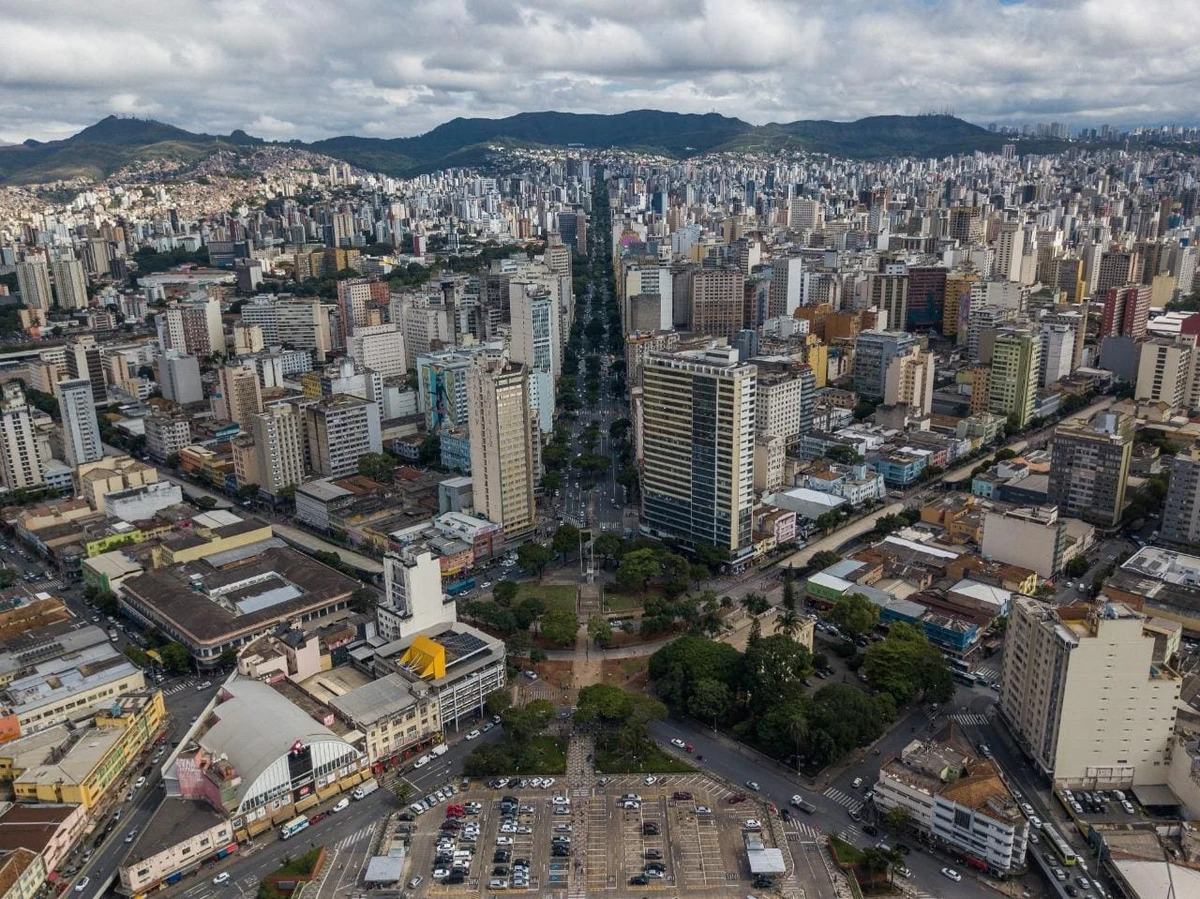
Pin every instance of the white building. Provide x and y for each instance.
(179, 377)
(535, 344)
(379, 348)
(1058, 350)
(81, 430)
(20, 462)
(414, 600)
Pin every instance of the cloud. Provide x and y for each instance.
(290, 68)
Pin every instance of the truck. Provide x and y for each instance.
(803, 804)
(365, 789)
(440, 749)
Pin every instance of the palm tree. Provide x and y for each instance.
(798, 730)
(788, 622)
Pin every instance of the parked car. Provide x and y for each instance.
(951, 874)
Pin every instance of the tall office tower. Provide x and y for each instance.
(1089, 466)
(263, 311)
(413, 599)
(1009, 247)
(239, 395)
(888, 292)
(356, 296)
(1072, 280)
(193, 327)
(784, 402)
(1076, 318)
(1012, 389)
(278, 435)
(717, 300)
(965, 225)
(1126, 311)
(379, 348)
(85, 361)
(503, 465)
(33, 282)
(804, 213)
(178, 376)
(70, 284)
(535, 345)
(909, 380)
(1181, 509)
(1115, 269)
(956, 310)
(340, 429)
(1058, 349)
(81, 430)
(20, 463)
(698, 423)
(787, 283)
(983, 318)
(304, 323)
(873, 353)
(1164, 373)
(926, 297)
(98, 256)
(1152, 258)
(442, 382)
(1084, 694)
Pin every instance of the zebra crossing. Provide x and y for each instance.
(179, 687)
(843, 799)
(47, 586)
(992, 674)
(969, 718)
(808, 831)
(347, 841)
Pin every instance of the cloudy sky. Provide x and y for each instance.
(394, 68)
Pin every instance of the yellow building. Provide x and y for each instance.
(212, 532)
(22, 874)
(816, 354)
(97, 757)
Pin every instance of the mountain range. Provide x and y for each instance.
(113, 142)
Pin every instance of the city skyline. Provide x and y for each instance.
(214, 70)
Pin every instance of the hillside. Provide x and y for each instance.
(111, 143)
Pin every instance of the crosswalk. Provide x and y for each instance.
(188, 684)
(808, 831)
(47, 586)
(843, 799)
(992, 674)
(347, 841)
(969, 718)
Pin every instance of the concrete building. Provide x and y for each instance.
(182, 836)
(958, 800)
(1164, 373)
(1012, 387)
(21, 465)
(379, 348)
(394, 716)
(239, 394)
(70, 284)
(1033, 537)
(1089, 467)
(909, 381)
(414, 600)
(782, 399)
(1181, 508)
(697, 435)
(1126, 311)
(166, 436)
(81, 430)
(278, 436)
(1058, 349)
(1083, 695)
(873, 353)
(503, 464)
(85, 360)
(304, 323)
(717, 301)
(340, 429)
(178, 376)
(33, 283)
(535, 344)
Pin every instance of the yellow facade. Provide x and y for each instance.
(166, 555)
(112, 541)
(816, 354)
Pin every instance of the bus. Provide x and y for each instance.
(1057, 843)
(293, 827)
(460, 587)
(957, 665)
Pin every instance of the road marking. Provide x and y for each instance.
(969, 718)
(843, 799)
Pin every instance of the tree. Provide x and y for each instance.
(533, 557)
(607, 545)
(823, 559)
(789, 623)
(854, 615)
(638, 567)
(552, 482)
(1077, 567)
(227, 658)
(678, 668)
(522, 723)
(710, 556)
(518, 643)
(600, 631)
(403, 791)
(430, 451)
(504, 592)
(247, 491)
(364, 599)
(845, 455)
(897, 818)
(710, 700)
(498, 702)
(377, 466)
(537, 655)
(560, 626)
(566, 540)
(907, 666)
(789, 593)
(8, 577)
(172, 461)
(175, 657)
(773, 669)
(137, 656)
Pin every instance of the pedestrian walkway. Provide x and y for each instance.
(808, 832)
(969, 718)
(188, 684)
(47, 586)
(351, 839)
(992, 674)
(843, 799)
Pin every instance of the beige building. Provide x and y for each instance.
(179, 837)
(239, 394)
(273, 457)
(22, 874)
(1083, 694)
(909, 381)
(390, 716)
(770, 457)
(1033, 537)
(20, 460)
(1164, 373)
(112, 474)
(503, 465)
(717, 301)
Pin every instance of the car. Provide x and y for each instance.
(486, 585)
(1077, 808)
(858, 782)
(650, 780)
(752, 824)
(441, 873)
(531, 674)
(951, 874)
(221, 878)
(1084, 883)
(854, 815)
(415, 882)
(651, 829)
(903, 871)
(560, 800)
(500, 856)
(83, 884)
(131, 836)
(1070, 585)
(678, 743)
(139, 783)
(1034, 838)
(504, 841)
(682, 795)
(547, 783)
(1027, 809)
(1035, 822)
(1127, 806)
(703, 810)
(488, 727)
(639, 880)
(870, 830)
(1059, 874)
(1070, 890)
(472, 735)
(753, 785)
(736, 798)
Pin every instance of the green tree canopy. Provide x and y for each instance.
(504, 592)
(600, 631)
(533, 557)
(637, 568)
(560, 626)
(854, 615)
(907, 666)
(377, 466)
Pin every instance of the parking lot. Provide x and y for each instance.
(681, 832)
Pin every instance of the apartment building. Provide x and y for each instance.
(340, 429)
(1089, 466)
(503, 464)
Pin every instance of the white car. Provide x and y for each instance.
(561, 800)
(703, 810)
(547, 783)
(951, 874)
(221, 878)
(651, 780)
(415, 882)
(488, 727)
(504, 841)
(1035, 822)
(473, 735)
(858, 782)
(752, 824)
(536, 782)
(342, 805)
(678, 743)
(440, 873)
(141, 782)
(83, 884)
(421, 762)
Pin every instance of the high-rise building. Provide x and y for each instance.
(1084, 695)
(33, 282)
(239, 394)
(787, 283)
(503, 465)
(1058, 348)
(1012, 388)
(70, 284)
(379, 348)
(193, 327)
(909, 380)
(81, 430)
(983, 317)
(1126, 311)
(535, 344)
(304, 323)
(965, 225)
(956, 309)
(697, 437)
(873, 353)
(926, 297)
(278, 435)
(84, 360)
(20, 462)
(1116, 269)
(1089, 466)
(178, 376)
(784, 401)
(1164, 372)
(166, 436)
(356, 298)
(264, 312)
(888, 292)
(1181, 509)
(717, 301)
(413, 599)
(340, 429)
(1010, 244)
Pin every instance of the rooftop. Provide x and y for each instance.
(59, 678)
(379, 699)
(31, 826)
(175, 821)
